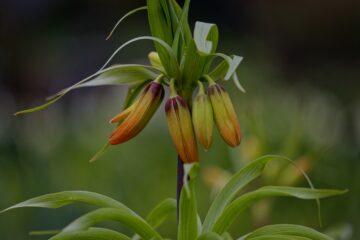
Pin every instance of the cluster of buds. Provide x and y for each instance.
(185, 124)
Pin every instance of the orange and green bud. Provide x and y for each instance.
(137, 118)
(181, 129)
(202, 117)
(224, 113)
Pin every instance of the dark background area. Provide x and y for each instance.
(302, 51)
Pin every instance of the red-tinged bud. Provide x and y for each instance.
(202, 118)
(137, 119)
(181, 130)
(224, 113)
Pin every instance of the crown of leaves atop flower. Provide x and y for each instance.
(182, 61)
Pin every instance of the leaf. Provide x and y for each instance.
(233, 210)
(279, 237)
(226, 236)
(124, 74)
(232, 65)
(181, 27)
(167, 56)
(161, 212)
(206, 36)
(288, 230)
(100, 152)
(237, 183)
(192, 66)
(134, 222)
(91, 234)
(188, 226)
(236, 60)
(210, 236)
(161, 28)
(238, 84)
(124, 17)
(60, 199)
(108, 76)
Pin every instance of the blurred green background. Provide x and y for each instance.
(301, 72)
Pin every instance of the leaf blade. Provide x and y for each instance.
(233, 210)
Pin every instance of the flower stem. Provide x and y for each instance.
(180, 183)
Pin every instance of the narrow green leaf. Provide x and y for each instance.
(210, 236)
(238, 84)
(161, 28)
(161, 212)
(279, 237)
(100, 152)
(289, 230)
(60, 199)
(188, 225)
(237, 183)
(233, 210)
(38, 108)
(167, 56)
(235, 62)
(107, 76)
(91, 234)
(123, 74)
(192, 66)
(44, 232)
(134, 222)
(182, 28)
(124, 17)
(226, 236)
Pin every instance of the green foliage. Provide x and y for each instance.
(219, 218)
(184, 59)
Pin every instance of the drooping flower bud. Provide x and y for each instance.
(180, 127)
(140, 115)
(224, 113)
(202, 117)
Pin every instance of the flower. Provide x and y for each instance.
(138, 115)
(224, 113)
(181, 129)
(202, 117)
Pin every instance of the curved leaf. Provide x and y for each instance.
(60, 199)
(108, 76)
(288, 230)
(168, 57)
(233, 210)
(206, 36)
(279, 237)
(161, 212)
(237, 183)
(210, 236)
(122, 74)
(134, 222)
(124, 17)
(91, 234)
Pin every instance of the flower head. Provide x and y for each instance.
(224, 113)
(138, 115)
(202, 116)
(181, 129)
